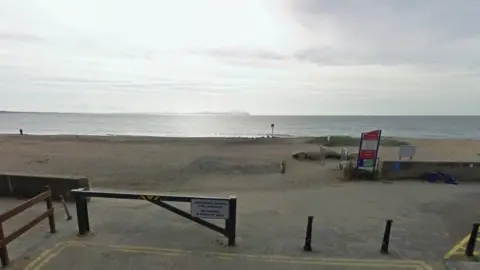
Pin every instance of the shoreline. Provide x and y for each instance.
(153, 137)
(244, 127)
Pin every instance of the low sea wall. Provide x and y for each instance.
(409, 169)
(29, 185)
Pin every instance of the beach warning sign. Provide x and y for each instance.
(368, 149)
(209, 208)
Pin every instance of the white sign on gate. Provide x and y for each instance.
(209, 208)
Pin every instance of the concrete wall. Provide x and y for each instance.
(28, 185)
(4, 188)
(408, 169)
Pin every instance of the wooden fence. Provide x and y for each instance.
(49, 213)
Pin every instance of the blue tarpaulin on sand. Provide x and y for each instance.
(432, 177)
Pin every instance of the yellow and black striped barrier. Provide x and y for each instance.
(201, 208)
(149, 197)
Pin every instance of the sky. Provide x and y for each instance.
(300, 57)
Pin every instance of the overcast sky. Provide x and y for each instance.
(260, 56)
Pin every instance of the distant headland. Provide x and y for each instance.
(243, 113)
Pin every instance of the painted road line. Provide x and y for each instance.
(339, 262)
(42, 256)
(41, 263)
(252, 256)
(144, 248)
(358, 264)
(349, 264)
(460, 247)
(327, 261)
(353, 263)
(246, 255)
(462, 253)
(150, 252)
(128, 247)
(155, 251)
(457, 248)
(50, 254)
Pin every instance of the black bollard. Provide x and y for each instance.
(386, 237)
(308, 236)
(471, 241)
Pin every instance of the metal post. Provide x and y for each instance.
(3, 249)
(85, 210)
(308, 236)
(68, 217)
(51, 217)
(471, 241)
(386, 237)
(82, 214)
(231, 222)
(375, 160)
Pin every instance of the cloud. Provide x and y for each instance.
(12, 36)
(400, 32)
(439, 32)
(244, 53)
(264, 56)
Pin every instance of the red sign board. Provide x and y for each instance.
(368, 154)
(368, 149)
(373, 135)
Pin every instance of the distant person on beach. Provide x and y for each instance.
(21, 131)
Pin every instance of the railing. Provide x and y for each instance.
(5, 240)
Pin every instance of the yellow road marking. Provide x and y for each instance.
(357, 264)
(150, 252)
(130, 247)
(463, 253)
(333, 263)
(54, 253)
(50, 254)
(140, 248)
(274, 257)
(42, 256)
(283, 259)
(457, 247)
(225, 255)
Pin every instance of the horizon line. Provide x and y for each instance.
(234, 113)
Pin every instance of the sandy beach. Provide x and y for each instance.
(430, 219)
(194, 164)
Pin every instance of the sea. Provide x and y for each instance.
(219, 125)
